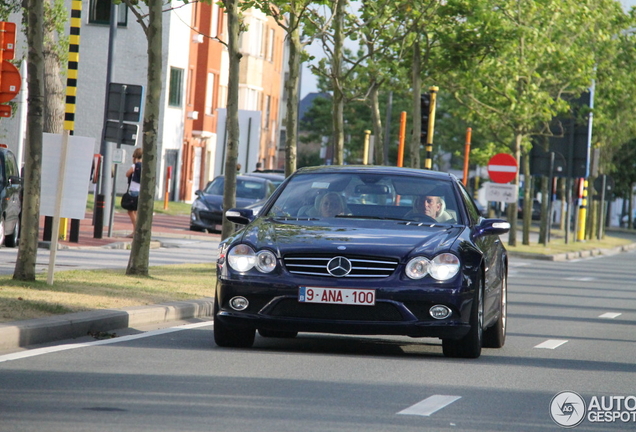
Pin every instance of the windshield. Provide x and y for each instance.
(245, 188)
(367, 196)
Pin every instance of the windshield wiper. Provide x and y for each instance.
(372, 217)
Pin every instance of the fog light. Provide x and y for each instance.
(440, 312)
(239, 303)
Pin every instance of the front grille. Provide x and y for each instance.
(291, 308)
(210, 217)
(361, 267)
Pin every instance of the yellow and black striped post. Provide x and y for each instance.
(428, 161)
(582, 213)
(71, 90)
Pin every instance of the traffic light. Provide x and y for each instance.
(425, 110)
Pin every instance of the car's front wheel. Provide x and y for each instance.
(470, 345)
(495, 336)
(13, 239)
(231, 337)
(2, 230)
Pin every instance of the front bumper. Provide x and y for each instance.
(401, 310)
(208, 220)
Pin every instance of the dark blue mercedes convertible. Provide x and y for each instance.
(365, 250)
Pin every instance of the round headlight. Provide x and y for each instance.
(417, 268)
(241, 258)
(444, 266)
(265, 261)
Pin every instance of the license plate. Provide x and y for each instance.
(364, 297)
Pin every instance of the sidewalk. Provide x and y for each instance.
(162, 226)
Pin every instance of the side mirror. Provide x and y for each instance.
(240, 216)
(492, 227)
(198, 193)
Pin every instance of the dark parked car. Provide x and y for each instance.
(11, 198)
(536, 209)
(207, 209)
(343, 250)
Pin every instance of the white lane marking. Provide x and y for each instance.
(610, 315)
(580, 279)
(429, 405)
(57, 348)
(551, 343)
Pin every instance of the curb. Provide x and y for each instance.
(42, 330)
(566, 256)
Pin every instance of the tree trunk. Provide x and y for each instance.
(27, 252)
(54, 88)
(416, 84)
(336, 76)
(378, 152)
(292, 84)
(232, 121)
(528, 201)
(140, 249)
(512, 208)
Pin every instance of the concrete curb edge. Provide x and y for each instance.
(42, 330)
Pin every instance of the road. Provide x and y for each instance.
(173, 251)
(571, 328)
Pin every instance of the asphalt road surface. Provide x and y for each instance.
(571, 329)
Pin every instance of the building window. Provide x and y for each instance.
(176, 87)
(267, 111)
(209, 95)
(270, 45)
(99, 13)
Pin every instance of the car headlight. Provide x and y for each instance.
(417, 268)
(199, 205)
(265, 261)
(242, 258)
(444, 266)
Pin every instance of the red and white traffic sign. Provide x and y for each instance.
(502, 168)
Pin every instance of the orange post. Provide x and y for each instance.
(167, 188)
(467, 154)
(401, 137)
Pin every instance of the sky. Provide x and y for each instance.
(308, 83)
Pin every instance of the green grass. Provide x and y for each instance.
(175, 208)
(82, 290)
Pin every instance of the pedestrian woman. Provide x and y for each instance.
(134, 182)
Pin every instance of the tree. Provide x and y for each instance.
(151, 24)
(293, 16)
(523, 87)
(232, 120)
(27, 252)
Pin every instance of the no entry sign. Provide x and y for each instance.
(502, 168)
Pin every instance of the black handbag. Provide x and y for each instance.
(129, 202)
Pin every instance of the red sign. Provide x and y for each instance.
(10, 81)
(502, 168)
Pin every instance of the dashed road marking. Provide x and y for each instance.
(610, 315)
(551, 343)
(429, 405)
(580, 279)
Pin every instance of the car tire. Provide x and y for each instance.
(196, 228)
(231, 337)
(14, 238)
(277, 334)
(2, 230)
(495, 336)
(470, 345)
